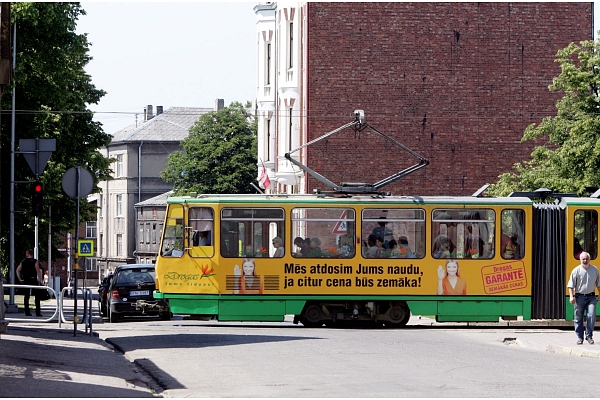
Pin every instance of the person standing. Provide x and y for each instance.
(582, 286)
(29, 273)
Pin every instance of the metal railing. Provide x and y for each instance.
(59, 314)
(52, 293)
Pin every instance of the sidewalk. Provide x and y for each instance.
(39, 359)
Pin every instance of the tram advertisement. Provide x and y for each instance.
(323, 277)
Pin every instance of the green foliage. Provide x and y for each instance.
(52, 94)
(219, 155)
(570, 160)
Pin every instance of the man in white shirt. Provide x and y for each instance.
(582, 294)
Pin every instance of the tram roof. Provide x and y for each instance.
(355, 199)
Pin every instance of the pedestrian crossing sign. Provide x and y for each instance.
(85, 248)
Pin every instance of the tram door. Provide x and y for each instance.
(548, 262)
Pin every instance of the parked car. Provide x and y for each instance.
(103, 295)
(130, 293)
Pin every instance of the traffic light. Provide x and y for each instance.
(37, 199)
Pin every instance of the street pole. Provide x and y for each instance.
(12, 307)
(76, 263)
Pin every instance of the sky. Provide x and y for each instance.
(170, 54)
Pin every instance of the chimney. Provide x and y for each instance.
(219, 104)
(150, 113)
(159, 110)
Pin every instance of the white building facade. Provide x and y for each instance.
(280, 100)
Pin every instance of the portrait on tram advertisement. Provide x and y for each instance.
(247, 281)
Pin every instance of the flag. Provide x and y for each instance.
(263, 179)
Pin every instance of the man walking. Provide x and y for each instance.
(582, 294)
(29, 273)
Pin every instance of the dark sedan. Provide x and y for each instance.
(130, 293)
(103, 295)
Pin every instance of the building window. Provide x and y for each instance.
(291, 45)
(141, 233)
(119, 205)
(290, 131)
(119, 245)
(268, 140)
(91, 264)
(268, 64)
(119, 165)
(100, 243)
(154, 233)
(90, 229)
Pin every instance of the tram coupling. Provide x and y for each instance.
(144, 304)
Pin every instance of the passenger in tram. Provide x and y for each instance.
(315, 247)
(368, 245)
(442, 247)
(376, 251)
(278, 244)
(510, 246)
(404, 249)
(246, 280)
(303, 246)
(346, 242)
(383, 232)
(394, 249)
(449, 281)
(488, 251)
(473, 244)
(201, 238)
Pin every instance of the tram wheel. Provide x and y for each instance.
(399, 316)
(311, 316)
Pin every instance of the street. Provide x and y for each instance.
(188, 358)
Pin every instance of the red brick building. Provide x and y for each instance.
(457, 83)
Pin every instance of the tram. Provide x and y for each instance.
(356, 254)
(509, 257)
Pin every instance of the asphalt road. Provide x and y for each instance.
(187, 358)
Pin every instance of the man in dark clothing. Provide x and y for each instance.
(29, 273)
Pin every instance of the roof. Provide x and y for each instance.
(439, 201)
(172, 125)
(160, 200)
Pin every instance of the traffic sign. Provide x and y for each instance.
(77, 182)
(340, 228)
(37, 152)
(85, 248)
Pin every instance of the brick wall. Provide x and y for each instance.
(456, 82)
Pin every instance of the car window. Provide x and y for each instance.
(135, 277)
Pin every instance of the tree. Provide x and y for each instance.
(569, 162)
(52, 93)
(219, 155)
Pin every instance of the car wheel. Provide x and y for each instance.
(166, 316)
(113, 317)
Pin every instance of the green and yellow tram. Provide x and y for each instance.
(372, 258)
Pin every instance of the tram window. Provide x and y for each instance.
(586, 233)
(393, 233)
(463, 233)
(248, 232)
(172, 244)
(323, 232)
(200, 222)
(513, 234)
